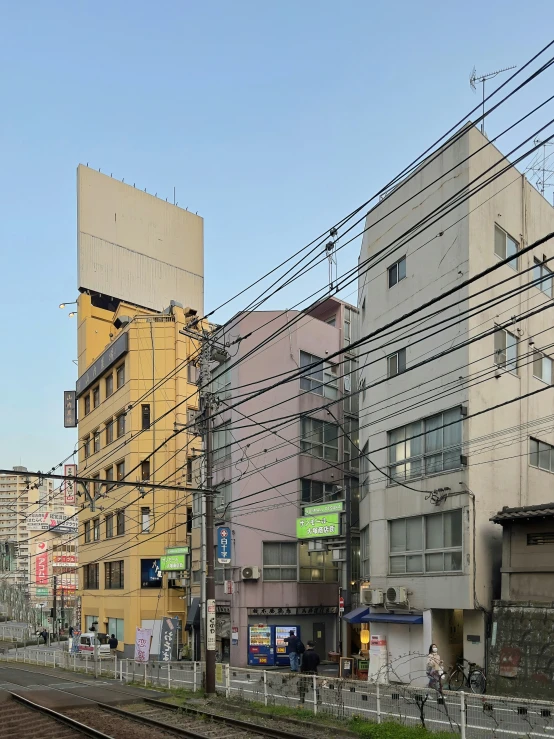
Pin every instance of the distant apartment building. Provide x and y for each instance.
(446, 463)
(140, 261)
(267, 473)
(37, 535)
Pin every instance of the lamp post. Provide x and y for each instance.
(71, 302)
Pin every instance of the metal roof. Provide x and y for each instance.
(545, 510)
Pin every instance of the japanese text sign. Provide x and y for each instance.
(224, 545)
(315, 527)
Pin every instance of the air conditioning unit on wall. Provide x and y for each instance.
(397, 596)
(372, 596)
(250, 573)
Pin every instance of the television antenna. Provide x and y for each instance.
(474, 80)
(331, 251)
(540, 170)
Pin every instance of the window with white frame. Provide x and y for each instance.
(397, 272)
(221, 443)
(426, 447)
(317, 566)
(351, 397)
(426, 544)
(542, 367)
(505, 349)
(314, 491)
(116, 626)
(350, 327)
(145, 520)
(542, 277)
(322, 379)
(541, 455)
(319, 438)
(364, 553)
(279, 560)
(396, 363)
(505, 246)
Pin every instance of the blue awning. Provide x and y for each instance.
(357, 615)
(391, 618)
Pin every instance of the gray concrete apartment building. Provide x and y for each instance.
(434, 559)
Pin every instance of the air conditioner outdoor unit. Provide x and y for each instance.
(397, 596)
(377, 597)
(365, 596)
(250, 573)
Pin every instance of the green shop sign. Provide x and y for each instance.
(177, 550)
(317, 510)
(173, 562)
(315, 527)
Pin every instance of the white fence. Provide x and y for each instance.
(471, 716)
(16, 633)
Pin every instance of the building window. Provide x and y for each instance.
(109, 526)
(364, 471)
(362, 388)
(279, 560)
(96, 441)
(189, 471)
(396, 363)
(86, 402)
(116, 626)
(96, 397)
(120, 522)
(542, 367)
(86, 447)
(542, 277)
(222, 498)
(196, 510)
(351, 402)
(505, 246)
(221, 443)
(87, 532)
(145, 520)
(120, 470)
(97, 486)
(109, 476)
(426, 447)
(120, 375)
(331, 321)
(221, 382)
(114, 575)
(109, 431)
(120, 425)
(425, 544)
(145, 469)
(145, 416)
(505, 350)
(96, 529)
(319, 492)
(317, 566)
(541, 455)
(397, 272)
(546, 537)
(150, 573)
(321, 380)
(109, 385)
(320, 439)
(351, 443)
(91, 581)
(364, 553)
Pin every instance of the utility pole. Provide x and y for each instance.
(347, 591)
(54, 614)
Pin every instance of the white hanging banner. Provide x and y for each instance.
(142, 644)
(210, 624)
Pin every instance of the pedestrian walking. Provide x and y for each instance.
(295, 648)
(434, 668)
(44, 635)
(71, 631)
(310, 663)
(113, 642)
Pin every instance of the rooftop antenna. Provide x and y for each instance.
(474, 80)
(539, 170)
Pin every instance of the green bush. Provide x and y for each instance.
(389, 730)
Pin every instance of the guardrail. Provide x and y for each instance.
(471, 716)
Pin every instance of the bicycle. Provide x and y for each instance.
(474, 678)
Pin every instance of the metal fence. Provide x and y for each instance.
(16, 633)
(470, 716)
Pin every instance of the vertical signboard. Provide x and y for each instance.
(41, 563)
(169, 628)
(224, 545)
(78, 612)
(69, 485)
(70, 409)
(210, 624)
(142, 644)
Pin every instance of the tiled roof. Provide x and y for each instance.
(545, 510)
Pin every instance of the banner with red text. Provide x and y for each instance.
(41, 563)
(69, 485)
(142, 644)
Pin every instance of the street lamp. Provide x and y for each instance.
(64, 305)
(41, 619)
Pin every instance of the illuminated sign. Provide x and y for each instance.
(316, 510)
(316, 527)
(173, 562)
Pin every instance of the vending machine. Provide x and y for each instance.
(267, 646)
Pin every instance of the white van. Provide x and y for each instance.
(89, 639)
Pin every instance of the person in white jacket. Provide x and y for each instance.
(435, 666)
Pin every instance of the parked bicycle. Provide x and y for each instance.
(467, 675)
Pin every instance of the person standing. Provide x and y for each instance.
(434, 668)
(293, 650)
(44, 635)
(310, 663)
(113, 642)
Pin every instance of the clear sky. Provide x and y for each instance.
(272, 119)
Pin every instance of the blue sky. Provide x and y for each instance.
(271, 119)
